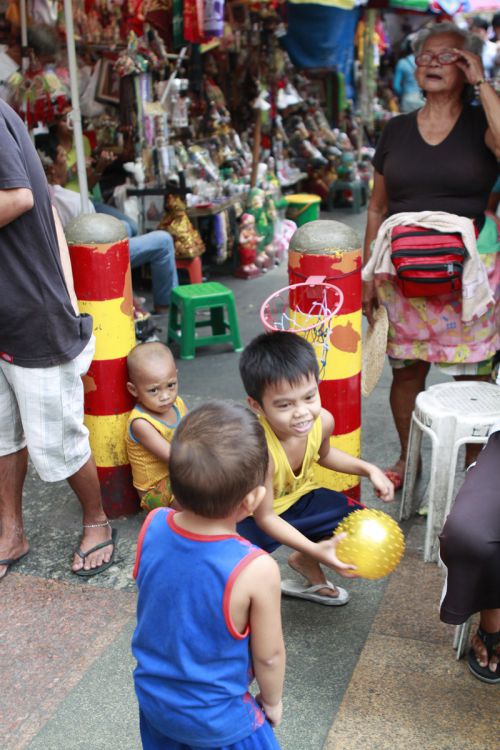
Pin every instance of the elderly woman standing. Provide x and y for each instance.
(441, 158)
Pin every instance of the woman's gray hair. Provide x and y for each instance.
(471, 42)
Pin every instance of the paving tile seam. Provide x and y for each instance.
(46, 710)
(388, 634)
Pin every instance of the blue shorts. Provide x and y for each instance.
(316, 515)
(262, 739)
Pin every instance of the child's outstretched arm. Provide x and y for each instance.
(145, 434)
(284, 533)
(337, 460)
(266, 636)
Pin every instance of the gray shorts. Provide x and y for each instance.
(42, 408)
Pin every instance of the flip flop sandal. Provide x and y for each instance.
(9, 562)
(491, 641)
(296, 588)
(94, 571)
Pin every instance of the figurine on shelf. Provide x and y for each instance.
(256, 205)
(187, 240)
(136, 169)
(247, 249)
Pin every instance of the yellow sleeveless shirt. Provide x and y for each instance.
(287, 486)
(147, 469)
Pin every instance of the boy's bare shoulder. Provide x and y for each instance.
(327, 422)
(262, 573)
(141, 426)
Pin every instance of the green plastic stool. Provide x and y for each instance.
(182, 322)
(357, 188)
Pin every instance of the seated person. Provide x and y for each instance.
(280, 375)
(152, 422)
(63, 134)
(470, 549)
(156, 248)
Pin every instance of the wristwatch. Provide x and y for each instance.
(480, 81)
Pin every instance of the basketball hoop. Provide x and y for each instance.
(308, 309)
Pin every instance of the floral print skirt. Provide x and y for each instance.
(431, 328)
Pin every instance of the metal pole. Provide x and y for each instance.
(24, 36)
(75, 103)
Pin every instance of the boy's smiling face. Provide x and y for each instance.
(291, 410)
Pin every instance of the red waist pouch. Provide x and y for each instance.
(428, 263)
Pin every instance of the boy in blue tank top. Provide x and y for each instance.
(208, 611)
(280, 375)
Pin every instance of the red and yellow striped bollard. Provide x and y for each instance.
(100, 260)
(333, 250)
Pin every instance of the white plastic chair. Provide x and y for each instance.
(452, 414)
(461, 638)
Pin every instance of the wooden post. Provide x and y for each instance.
(256, 148)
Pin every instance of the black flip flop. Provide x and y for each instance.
(491, 641)
(95, 571)
(10, 561)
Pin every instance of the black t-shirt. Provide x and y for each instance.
(38, 326)
(455, 176)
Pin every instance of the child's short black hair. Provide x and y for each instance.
(219, 454)
(272, 358)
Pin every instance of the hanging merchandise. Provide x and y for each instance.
(159, 13)
(43, 11)
(193, 21)
(37, 95)
(12, 14)
(321, 37)
(213, 22)
(450, 7)
(177, 24)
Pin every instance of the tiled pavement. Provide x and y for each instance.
(379, 673)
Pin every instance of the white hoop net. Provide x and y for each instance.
(307, 309)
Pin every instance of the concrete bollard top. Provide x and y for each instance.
(324, 237)
(95, 229)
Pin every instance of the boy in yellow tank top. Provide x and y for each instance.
(152, 422)
(280, 375)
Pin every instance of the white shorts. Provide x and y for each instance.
(42, 408)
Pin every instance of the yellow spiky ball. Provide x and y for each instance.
(374, 543)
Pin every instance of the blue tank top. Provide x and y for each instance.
(193, 667)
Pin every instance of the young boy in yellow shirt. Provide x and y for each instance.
(152, 422)
(280, 375)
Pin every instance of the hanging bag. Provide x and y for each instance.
(428, 263)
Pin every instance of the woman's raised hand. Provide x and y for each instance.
(471, 65)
